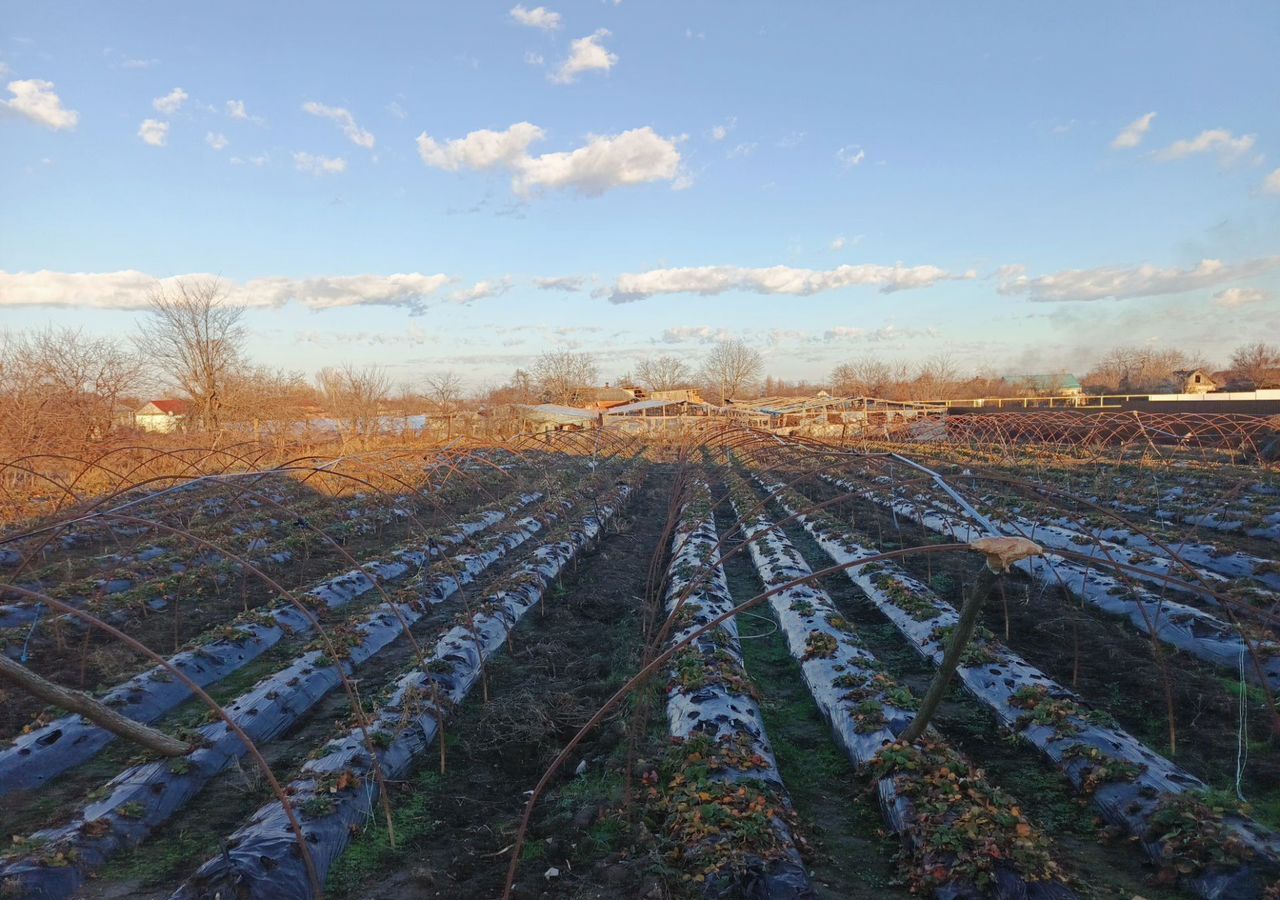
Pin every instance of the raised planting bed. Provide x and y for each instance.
(962, 836)
(1187, 628)
(717, 796)
(336, 794)
(1132, 786)
(135, 802)
(47, 750)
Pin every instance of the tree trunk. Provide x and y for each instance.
(91, 709)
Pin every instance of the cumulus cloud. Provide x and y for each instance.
(838, 242)
(712, 280)
(345, 121)
(568, 283)
(171, 102)
(482, 290)
(154, 132)
(534, 59)
(539, 17)
(216, 140)
(585, 55)
(129, 289)
(236, 110)
(1121, 283)
(1216, 140)
(851, 156)
(1133, 133)
(1271, 184)
(318, 165)
(603, 163)
(480, 150)
(1234, 297)
(35, 100)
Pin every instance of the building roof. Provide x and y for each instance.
(611, 393)
(552, 412)
(641, 405)
(168, 407)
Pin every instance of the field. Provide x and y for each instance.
(585, 665)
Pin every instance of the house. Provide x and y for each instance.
(161, 415)
(1052, 384)
(1193, 381)
(606, 397)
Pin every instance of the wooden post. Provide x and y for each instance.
(96, 712)
(951, 658)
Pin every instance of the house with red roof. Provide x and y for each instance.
(161, 415)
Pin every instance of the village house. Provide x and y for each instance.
(1193, 381)
(161, 415)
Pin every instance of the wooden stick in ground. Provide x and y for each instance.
(1001, 552)
(96, 712)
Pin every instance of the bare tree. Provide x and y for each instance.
(732, 368)
(272, 403)
(1136, 369)
(1258, 363)
(563, 376)
(60, 388)
(196, 342)
(445, 393)
(663, 373)
(871, 378)
(353, 397)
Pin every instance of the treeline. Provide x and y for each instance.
(61, 389)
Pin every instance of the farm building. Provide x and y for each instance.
(161, 415)
(1193, 381)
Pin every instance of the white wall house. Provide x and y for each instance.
(161, 415)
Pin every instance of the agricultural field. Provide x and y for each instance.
(582, 664)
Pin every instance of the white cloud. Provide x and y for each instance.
(154, 132)
(128, 290)
(534, 59)
(720, 132)
(569, 283)
(792, 140)
(217, 141)
(1216, 140)
(482, 290)
(1133, 133)
(603, 163)
(851, 156)
(743, 150)
(236, 110)
(138, 63)
(1124, 282)
(171, 102)
(585, 55)
(345, 120)
(318, 165)
(397, 110)
(838, 242)
(1271, 184)
(538, 17)
(701, 334)
(1234, 297)
(480, 150)
(261, 160)
(712, 280)
(35, 100)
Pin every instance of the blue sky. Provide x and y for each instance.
(828, 181)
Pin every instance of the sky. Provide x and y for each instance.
(462, 186)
